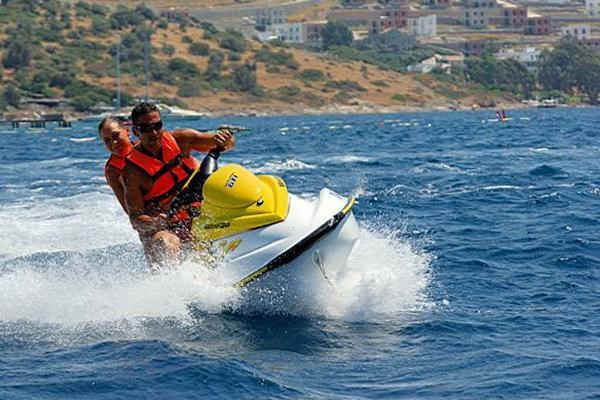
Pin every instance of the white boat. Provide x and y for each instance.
(170, 112)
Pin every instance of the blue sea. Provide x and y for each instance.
(476, 275)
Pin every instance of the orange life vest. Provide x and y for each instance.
(169, 173)
(117, 162)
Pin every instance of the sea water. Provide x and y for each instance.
(476, 275)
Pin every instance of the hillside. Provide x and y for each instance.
(69, 50)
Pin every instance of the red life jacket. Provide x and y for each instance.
(117, 161)
(114, 161)
(169, 173)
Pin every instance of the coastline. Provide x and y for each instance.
(363, 109)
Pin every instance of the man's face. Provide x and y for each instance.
(148, 128)
(115, 138)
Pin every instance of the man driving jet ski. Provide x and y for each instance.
(155, 171)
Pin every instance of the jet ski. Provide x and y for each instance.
(264, 237)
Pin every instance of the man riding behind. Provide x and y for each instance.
(155, 171)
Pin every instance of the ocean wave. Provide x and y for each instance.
(347, 159)
(285, 165)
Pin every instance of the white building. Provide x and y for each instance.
(580, 32)
(528, 56)
(422, 26)
(591, 8)
(423, 67)
(290, 32)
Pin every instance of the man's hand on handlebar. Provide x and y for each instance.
(224, 139)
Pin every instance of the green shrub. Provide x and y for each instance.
(199, 49)
(233, 56)
(100, 26)
(189, 89)
(162, 24)
(187, 39)
(276, 58)
(289, 91)
(311, 74)
(232, 40)
(183, 68)
(379, 83)
(168, 49)
(346, 86)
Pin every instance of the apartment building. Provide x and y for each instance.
(479, 12)
(592, 8)
(580, 32)
(537, 24)
(422, 25)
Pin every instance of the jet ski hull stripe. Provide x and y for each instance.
(293, 252)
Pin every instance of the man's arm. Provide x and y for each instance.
(191, 139)
(134, 200)
(113, 179)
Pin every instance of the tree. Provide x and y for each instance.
(571, 66)
(213, 70)
(18, 55)
(244, 78)
(336, 33)
(12, 96)
(233, 40)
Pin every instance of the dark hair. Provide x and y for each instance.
(119, 120)
(143, 108)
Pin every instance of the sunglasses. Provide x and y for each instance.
(144, 128)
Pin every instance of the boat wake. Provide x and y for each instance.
(52, 278)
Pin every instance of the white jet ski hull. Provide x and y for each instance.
(295, 261)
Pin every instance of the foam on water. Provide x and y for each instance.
(284, 165)
(64, 264)
(82, 222)
(69, 297)
(385, 277)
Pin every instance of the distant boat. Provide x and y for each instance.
(101, 116)
(170, 112)
(548, 103)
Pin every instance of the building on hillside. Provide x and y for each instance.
(378, 19)
(270, 16)
(591, 43)
(288, 32)
(510, 14)
(174, 14)
(313, 30)
(479, 12)
(423, 67)
(297, 32)
(354, 3)
(537, 24)
(580, 32)
(394, 3)
(529, 56)
(451, 61)
(394, 39)
(437, 3)
(422, 25)
(592, 8)
(471, 47)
